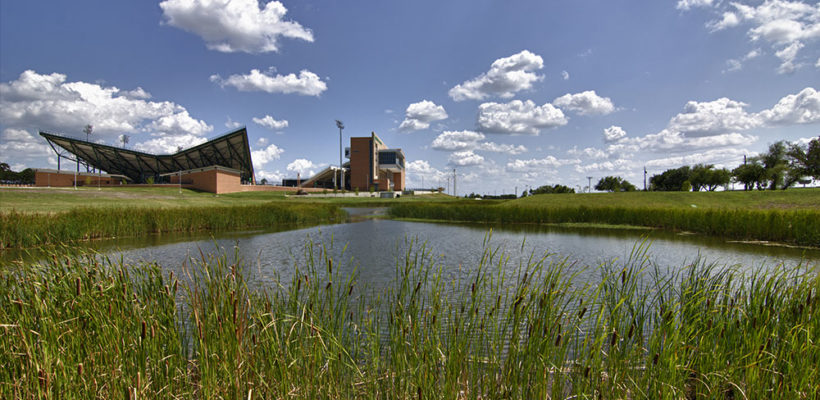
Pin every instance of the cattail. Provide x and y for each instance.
(558, 340)
(586, 372)
(418, 287)
(472, 288)
(350, 291)
(329, 266)
(79, 288)
(152, 331)
(623, 276)
(100, 289)
(614, 338)
(525, 278)
(328, 285)
(631, 331)
(176, 285)
(418, 392)
(581, 314)
(80, 369)
(142, 334)
(655, 359)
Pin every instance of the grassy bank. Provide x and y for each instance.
(795, 226)
(33, 229)
(80, 327)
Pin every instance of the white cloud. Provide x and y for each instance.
(48, 102)
(713, 117)
(687, 4)
(787, 56)
(800, 108)
(465, 158)
(585, 103)
(506, 77)
(272, 177)
(234, 25)
(307, 83)
(733, 65)
(547, 163)
(589, 152)
(729, 157)
(231, 124)
(565, 75)
(21, 147)
(456, 140)
(817, 64)
(620, 164)
(266, 155)
(614, 134)
(782, 23)
(501, 148)
(269, 122)
(304, 167)
(519, 117)
(419, 115)
(421, 173)
(169, 144)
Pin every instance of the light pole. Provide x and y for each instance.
(589, 187)
(87, 130)
(341, 126)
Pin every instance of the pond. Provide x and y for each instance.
(372, 247)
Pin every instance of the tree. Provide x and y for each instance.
(547, 189)
(704, 176)
(670, 180)
(614, 184)
(750, 174)
(264, 181)
(805, 161)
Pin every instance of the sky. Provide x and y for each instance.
(508, 94)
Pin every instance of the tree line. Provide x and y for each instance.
(7, 176)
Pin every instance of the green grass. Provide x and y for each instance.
(795, 198)
(769, 216)
(83, 326)
(18, 230)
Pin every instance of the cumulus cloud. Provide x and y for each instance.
(493, 147)
(589, 152)
(687, 4)
(712, 117)
(535, 164)
(269, 122)
(272, 177)
(614, 134)
(565, 75)
(49, 102)
(585, 103)
(419, 115)
(266, 155)
(304, 167)
(465, 158)
(719, 157)
(421, 173)
(787, 56)
(21, 147)
(733, 65)
(234, 25)
(800, 108)
(231, 124)
(306, 83)
(783, 24)
(456, 140)
(523, 117)
(169, 144)
(620, 164)
(506, 77)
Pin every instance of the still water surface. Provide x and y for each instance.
(373, 246)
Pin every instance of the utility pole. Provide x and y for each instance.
(644, 178)
(589, 187)
(341, 126)
(454, 183)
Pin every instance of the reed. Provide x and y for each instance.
(800, 227)
(87, 326)
(35, 229)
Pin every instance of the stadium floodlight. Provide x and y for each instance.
(341, 125)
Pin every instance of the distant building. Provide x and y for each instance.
(372, 165)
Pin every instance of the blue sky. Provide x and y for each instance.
(509, 94)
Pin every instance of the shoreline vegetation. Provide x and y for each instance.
(35, 218)
(20, 230)
(796, 227)
(84, 326)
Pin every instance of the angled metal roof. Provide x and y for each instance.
(230, 150)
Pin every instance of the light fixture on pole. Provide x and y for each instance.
(589, 187)
(341, 126)
(87, 130)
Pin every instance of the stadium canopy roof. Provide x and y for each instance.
(230, 150)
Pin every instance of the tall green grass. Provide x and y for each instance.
(33, 229)
(83, 326)
(801, 227)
